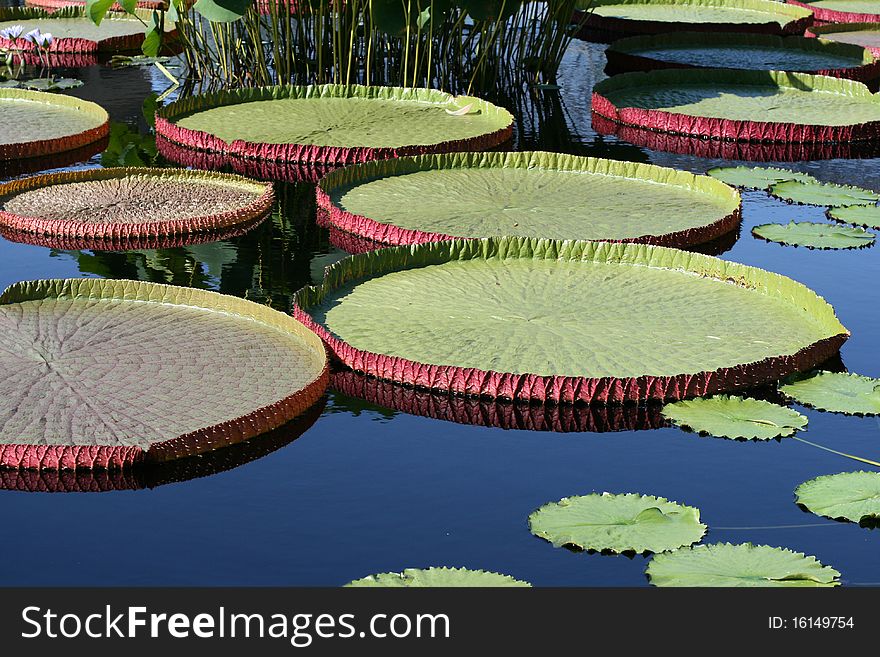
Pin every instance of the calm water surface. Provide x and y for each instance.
(368, 489)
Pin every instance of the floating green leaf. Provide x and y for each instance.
(837, 392)
(618, 523)
(756, 177)
(439, 577)
(735, 417)
(51, 84)
(222, 11)
(745, 565)
(819, 193)
(853, 496)
(858, 215)
(815, 235)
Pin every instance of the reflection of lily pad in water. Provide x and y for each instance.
(842, 11)
(542, 195)
(745, 565)
(618, 523)
(815, 235)
(129, 204)
(866, 35)
(653, 16)
(853, 496)
(333, 124)
(837, 392)
(144, 372)
(34, 123)
(578, 321)
(761, 52)
(735, 417)
(438, 577)
(741, 105)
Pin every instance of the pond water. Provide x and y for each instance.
(367, 489)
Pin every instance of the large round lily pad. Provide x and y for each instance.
(735, 417)
(73, 32)
(815, 235)
(842, 11)
(814, 192)
(33, 123)
(759, 52)
(131, 204)
(744, 565)
(61, 5)
(606, 19)
(853, 496)
(837, 392)
(750, 106)
(866, 35)
(432, 197)
(333, 124)
(103, 373)
(857, 215)
(756, 177)
(439, 577)
(618, 523)
(566, 321)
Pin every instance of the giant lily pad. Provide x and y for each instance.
(439, 577)
(813, 192)
(853, 496)
(629, 17)
(74, 32)
(103, 373)
(735, 417)
(725, 564)
(759, 52)
(618, 523)
(858, 215)
(815, 235)
(566, 321)
(837, 392)
(131, 204)
(35, 124)
(333, 124)
(529, 195)
(842, 11)
(756, 177)
(749, 106)
(866, 35)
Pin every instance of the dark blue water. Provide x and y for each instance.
(367, 489)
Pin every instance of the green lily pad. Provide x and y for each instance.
(735, 417)
(618, 523)
(744, 565)
(756, 177)
(853, 496)
(682, 13)
(439, 577)
(51, 84)
(866, 35)
(815, 235)
(531, 194)
(490, 316)
(857, 215)
(819, 193)
(837, 392)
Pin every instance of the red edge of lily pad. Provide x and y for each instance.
(121, 233)
(827, 15)
(474, 382)
(605, 29)
(373, 231)
(319, 155)
(730, 129)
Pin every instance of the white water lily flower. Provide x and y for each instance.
(44, 40)
(31, 37)
(12, 32)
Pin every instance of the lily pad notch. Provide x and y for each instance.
(604, 20)
(122, 204)
(239, 369)
(661, 101)
(429, 271)
(219, 123)
(731, 50)
(547, 185)
(89, 123)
